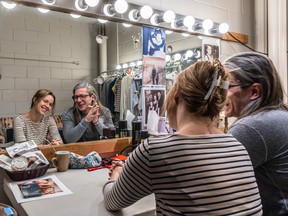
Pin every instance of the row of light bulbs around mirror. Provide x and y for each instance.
(146, 12)
(174, 57)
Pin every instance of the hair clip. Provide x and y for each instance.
(213, 84)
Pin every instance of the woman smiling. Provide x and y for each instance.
(37, 124)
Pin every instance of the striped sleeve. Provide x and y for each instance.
(19, 134)
(134, 182)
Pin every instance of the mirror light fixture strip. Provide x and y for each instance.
(68, 6)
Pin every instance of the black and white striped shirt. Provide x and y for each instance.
(189, 175)
(40, 133)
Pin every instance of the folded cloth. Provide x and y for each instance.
(93, 159)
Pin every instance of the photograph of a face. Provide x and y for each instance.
(154, 41)
(210, 49)
(211, 52)
(153, 106)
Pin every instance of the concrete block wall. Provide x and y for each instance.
(39, 49)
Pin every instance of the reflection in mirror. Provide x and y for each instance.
(129, 48)
(41, 50)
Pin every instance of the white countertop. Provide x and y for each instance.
(86, 200)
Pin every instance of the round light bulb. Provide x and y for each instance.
(189, 53)
(177, 57)
(102, 20)
(153, 19)
(188, 21)
(198, 55)
(146, 12)
(8, 5)
(75, 15)
(206, 32)
(43, 10)
(121, 6)
(127, 25)
(106, 10)
(223, 28)
(207, 24)
(133, 15)
(167, 58)
(125, 65)
(169, 16)
(92, 3)
(132, 64)
(168, 32)
(118, 67)
(49, 2)
(80, 6)
(139, 63)
(173, 25)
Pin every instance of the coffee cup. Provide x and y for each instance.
(61, 161)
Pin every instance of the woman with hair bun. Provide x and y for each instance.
(199, 170)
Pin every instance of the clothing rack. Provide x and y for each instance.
(177, 68)
(118, 72)
(123, 70)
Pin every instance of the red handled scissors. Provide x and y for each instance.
(99, 167)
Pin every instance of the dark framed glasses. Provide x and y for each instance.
(82, 97)
(232, 86)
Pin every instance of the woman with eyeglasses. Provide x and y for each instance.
(86, 120)
(38, 124)
(257, 99)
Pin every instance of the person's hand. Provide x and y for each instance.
(93, 114)
(2, 139)
(55, 142)
(115, 170)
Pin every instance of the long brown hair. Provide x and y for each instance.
(39, 95)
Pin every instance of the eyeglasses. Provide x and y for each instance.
(82, 97)
(232, 86)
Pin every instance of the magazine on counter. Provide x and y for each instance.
(21, 148)
(26, 149)
(39, 188)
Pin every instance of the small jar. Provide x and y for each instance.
(19, 163)
(123, 132)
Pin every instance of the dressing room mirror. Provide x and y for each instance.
(124, 44)
(53, 50)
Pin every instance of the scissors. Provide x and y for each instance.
(105, 163)
(99, 167)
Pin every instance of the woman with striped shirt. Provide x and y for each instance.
(198, 170)
(38, 124)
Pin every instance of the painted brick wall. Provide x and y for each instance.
(26, 33)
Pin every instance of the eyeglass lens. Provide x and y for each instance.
(82, 97)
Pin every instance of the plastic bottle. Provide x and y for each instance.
(136, 134)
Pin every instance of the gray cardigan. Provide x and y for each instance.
(83, 131)
(265, 136)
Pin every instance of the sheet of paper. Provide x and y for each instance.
(50, 187)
